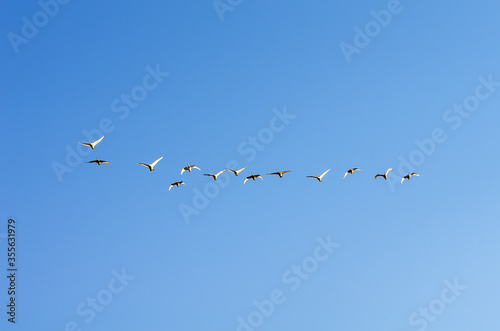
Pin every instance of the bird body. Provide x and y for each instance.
(237, 172)
(176, 184)
(92, 144)
(252, 176)
(280, 173)
(409, 176)
(384, 175)
(152, 165)
(214, 175)
(98, 161)
(189, 168)
(350, 171)
(320, 178)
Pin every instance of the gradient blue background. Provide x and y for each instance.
(225, 79)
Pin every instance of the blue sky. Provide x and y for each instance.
(263, 85)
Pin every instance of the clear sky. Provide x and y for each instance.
(288, 85)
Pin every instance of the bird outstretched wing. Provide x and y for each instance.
(97, 141)
(324, 173)
(240, 170)
(217, 174)
(155, 162)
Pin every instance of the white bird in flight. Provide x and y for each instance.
(384, 175)
(152, 165)
(214, 175)
(189, 168)
(98, 161)
(237, 172)
(252, 176)
(320, 178)
(280, 173)
(409, 176)
(350, 171)
(92, 145)
(176, 184)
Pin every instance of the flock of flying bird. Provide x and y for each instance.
(190, 167)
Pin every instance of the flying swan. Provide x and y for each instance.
(152, 165)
